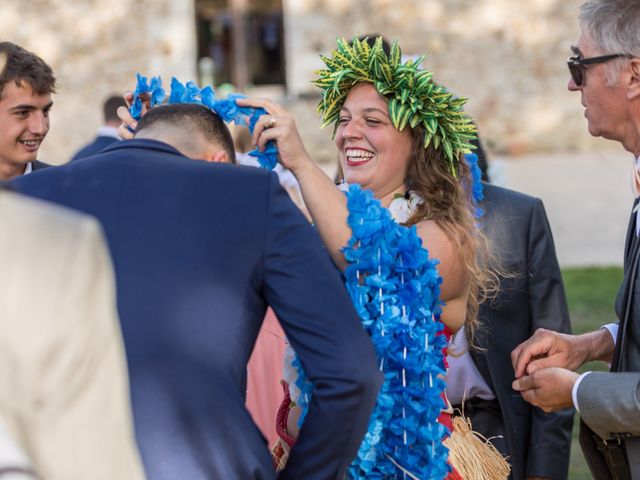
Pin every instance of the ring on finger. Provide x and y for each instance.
(272, 121)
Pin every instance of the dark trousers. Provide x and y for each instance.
(486, 419)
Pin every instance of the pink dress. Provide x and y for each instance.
(264, 391)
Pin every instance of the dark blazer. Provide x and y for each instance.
(96, 146)
(38, 165)
(532, 297)
(200, 250)
(610, 411)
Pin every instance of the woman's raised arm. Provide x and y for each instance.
(326, 203)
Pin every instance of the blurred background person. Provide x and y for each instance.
(108, 132)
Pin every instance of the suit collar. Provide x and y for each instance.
(631, 230)
(109, 132)
(144, 144)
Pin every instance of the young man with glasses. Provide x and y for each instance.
(605, 69)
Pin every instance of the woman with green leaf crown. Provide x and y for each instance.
(403, 137)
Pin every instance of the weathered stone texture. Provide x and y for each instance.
(96, 47)
(507, 56)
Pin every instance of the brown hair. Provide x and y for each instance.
(448, 201)
(24, 66)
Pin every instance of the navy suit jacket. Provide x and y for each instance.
(531, 297)
(38, 165)
(96, 146)
(200, 250)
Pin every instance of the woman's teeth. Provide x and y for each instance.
(358, 156)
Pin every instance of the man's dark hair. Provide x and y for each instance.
(110, 106)
(22, 66)
(190, 117)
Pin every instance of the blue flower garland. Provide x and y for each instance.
(476, 183)
(228, 109)
(395, 288)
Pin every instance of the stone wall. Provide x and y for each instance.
(507, 56)
(96, 47)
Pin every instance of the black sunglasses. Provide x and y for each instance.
(577, 64)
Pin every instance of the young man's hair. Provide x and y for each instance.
(185, 121)
(110, 107)
(23, 67)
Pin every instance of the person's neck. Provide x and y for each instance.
(9, 171)
(631, 141)
(387, 198)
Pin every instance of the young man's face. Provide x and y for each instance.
(24, 117)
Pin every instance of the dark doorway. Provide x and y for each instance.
(240, 42)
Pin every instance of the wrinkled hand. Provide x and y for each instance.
(546, 349)
(283, 131)
(549, 388)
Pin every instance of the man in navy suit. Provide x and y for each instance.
(107, 133)
(200, 250)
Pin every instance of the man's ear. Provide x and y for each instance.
(633, 90)
(217, 156)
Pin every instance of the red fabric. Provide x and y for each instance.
(445, 418)
(283, 415)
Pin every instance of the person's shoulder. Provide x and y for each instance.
(38, 165)
(242, 174)
(19, 211)
(500, 197)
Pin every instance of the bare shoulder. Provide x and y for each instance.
(455, 279)
(438, 243)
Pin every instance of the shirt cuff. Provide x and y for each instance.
(574, 391)
(613, 330)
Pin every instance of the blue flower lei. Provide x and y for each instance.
(395, 288)
(476, 183)
(228, 109)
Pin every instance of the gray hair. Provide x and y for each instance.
(614, 27)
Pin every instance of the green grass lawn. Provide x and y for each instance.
(590, 295)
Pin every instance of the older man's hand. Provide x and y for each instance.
(549, 388)
(546, 349)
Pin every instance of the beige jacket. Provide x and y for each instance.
(64, 394)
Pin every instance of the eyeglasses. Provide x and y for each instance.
(577, 64)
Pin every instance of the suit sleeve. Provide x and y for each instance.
(610, 403)
(550, 439)
(79, 416)
(307, 294)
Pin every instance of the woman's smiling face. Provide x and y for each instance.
(372, 152)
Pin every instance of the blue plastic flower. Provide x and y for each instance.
(228, 109)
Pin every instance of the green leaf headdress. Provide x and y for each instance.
(414, 98)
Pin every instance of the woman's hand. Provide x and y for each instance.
(327, 204)
(278, 125)
(128, 126)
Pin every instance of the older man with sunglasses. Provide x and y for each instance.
(605, 69)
